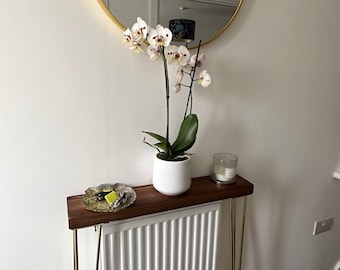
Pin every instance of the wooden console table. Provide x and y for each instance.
(149, 201)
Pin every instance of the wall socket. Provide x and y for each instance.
(323, 225)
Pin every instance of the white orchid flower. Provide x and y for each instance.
(179, 77)
(153, 52)
(200, 60)
(179, 74)
(179, 55)
(139, 30)
(204, 78)
(160, 36)
(127, 36)
(177, 87)
(136, 47)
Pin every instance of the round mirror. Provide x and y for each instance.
(207, 18)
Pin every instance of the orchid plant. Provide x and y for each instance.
(157, 43)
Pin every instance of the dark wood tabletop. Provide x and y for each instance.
(150, 201)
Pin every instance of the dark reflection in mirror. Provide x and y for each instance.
(211, 17)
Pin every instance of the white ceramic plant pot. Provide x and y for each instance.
(171, 178)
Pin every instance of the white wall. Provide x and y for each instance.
(73, 101)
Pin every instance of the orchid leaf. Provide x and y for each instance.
(186, 136)
(162, 144)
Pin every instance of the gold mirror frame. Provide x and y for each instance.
(123, 27)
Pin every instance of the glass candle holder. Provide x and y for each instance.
(224, 168)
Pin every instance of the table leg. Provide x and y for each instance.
(98, 246)
(242, 232)
(233, 232)
(75, 249)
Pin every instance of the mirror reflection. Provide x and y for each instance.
(211, 17)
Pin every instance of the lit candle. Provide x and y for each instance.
(229, 174)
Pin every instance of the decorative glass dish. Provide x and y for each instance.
(94, 197)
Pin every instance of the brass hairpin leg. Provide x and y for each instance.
(98, 247)
(242, 231)
(233, 210)
(75, 250)
(233, 231)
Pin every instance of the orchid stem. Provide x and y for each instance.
(192, 77)
(167, 94)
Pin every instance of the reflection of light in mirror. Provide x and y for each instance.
(211, 16)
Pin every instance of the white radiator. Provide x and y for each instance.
(184, 239)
